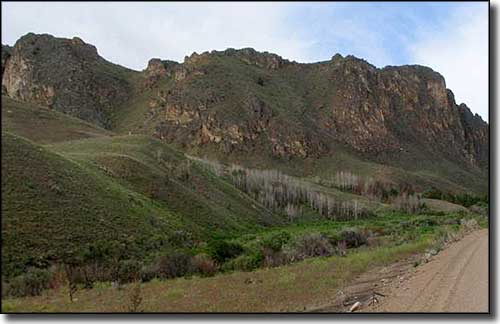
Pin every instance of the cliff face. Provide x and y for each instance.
(244, 101)
(6, 52)
(240, 100)
(64, 74)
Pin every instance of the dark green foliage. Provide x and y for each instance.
(246, 262)
(149, 272)
(182, 239)
(221, 250)
(32, 283)
(128, 271)
(276, 241)
(464, 199)
(175, 264)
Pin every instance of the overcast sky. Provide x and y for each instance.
(451, 38)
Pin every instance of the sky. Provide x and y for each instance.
(451, 38)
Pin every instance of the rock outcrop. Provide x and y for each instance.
(6, 52)
(64, 74)
(240, 99)
(245, 101)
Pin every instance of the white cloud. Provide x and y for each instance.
(459, 51)
(130, 34)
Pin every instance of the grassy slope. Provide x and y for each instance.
(85, 188)
(43, 125)
(51, 205)
(138, 162)
(437, 205)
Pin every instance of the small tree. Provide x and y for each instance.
(70, 271)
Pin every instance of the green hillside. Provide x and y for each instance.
(153, 169)
(52, 207)
(113, 189)
(44, 125)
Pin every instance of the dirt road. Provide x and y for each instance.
(456, 280)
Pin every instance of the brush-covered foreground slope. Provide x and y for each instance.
(132, 191)
(98, 188)
(51, 206)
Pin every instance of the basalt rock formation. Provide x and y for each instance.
(244, 101)
(64, 74)
(240, 99)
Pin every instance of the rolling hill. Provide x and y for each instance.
(99, 157)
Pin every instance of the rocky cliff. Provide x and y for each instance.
(64, 74)
(244, 101)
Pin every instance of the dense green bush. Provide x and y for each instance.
(32, 283)
(182, 239)
(149, 272)
(276, 241)
(221, 251)
(128, 271)
(464, 199)
(247, 262)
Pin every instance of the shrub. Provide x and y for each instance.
(204, 265)
(32, 283)
(182, 239)
(245, 262)
(183, 170)
(176, 264)
(149, 272)
(433, 193)
(353, 238)
(272, 258)
(221, 251)
(128, 271)
(312, 245)
(57, 278)
(427, 221)
(479, 209)
(276, 241)
(333, 237)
